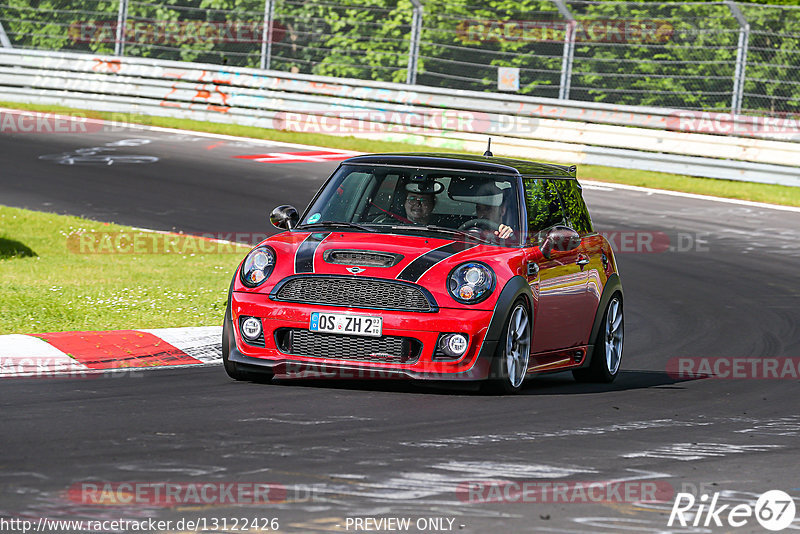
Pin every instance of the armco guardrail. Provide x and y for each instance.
(651, 139)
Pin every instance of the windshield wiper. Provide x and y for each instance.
(334, 224)
(444, 230)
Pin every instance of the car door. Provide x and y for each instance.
(559, 281)
(590, 254)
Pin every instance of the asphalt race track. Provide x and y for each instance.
(340, 450)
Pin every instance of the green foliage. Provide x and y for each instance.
(674, 54)
(574, 205)
(541, 201)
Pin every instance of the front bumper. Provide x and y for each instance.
(423, 327)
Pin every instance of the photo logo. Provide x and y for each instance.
(774, 510)
(174, 32)
(724, 367)
(332, 121)
(161, 243)
(61, 367)
(35, 122)
(537, 491)
(639, 31)
(25, 122)
(170, 494)
(728, 124)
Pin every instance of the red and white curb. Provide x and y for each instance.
(78, 353)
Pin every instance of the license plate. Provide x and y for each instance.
(339, 323)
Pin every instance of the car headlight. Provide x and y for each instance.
(471, 282)
(257, 266)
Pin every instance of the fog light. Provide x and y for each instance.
(251, 328)
(453, 345)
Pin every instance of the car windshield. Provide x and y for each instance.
(456, 203)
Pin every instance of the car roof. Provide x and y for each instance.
(466, 162)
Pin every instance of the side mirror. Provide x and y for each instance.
(560, 238)
(284, 217)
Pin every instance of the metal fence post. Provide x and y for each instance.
(741, 57)
(569, 50)
(122, 21)
(5, 42)
(413, 47)
(266, 34)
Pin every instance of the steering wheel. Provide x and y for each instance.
(480, 224)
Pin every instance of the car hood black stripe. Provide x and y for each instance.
(304, 257)
(422, 264)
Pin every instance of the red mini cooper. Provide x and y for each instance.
(430, 267)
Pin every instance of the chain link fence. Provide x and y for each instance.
(721, 56)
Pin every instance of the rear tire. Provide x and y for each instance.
(510, 362)
(607, 351)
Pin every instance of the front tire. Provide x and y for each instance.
(510, 363)
(607, 351)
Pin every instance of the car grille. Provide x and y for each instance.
(385, 349)
(354, 292)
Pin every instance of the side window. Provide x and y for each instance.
(574, 205)
(542, 205)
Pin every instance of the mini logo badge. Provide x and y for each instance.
(355, 270)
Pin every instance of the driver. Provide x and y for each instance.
(419, 206)
(417, 200)
(490, 205)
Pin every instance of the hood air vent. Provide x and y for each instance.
(362, 258)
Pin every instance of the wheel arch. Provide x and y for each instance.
(612, 287)
(516, 287)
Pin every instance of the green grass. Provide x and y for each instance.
(48, 283)
(776, 194)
